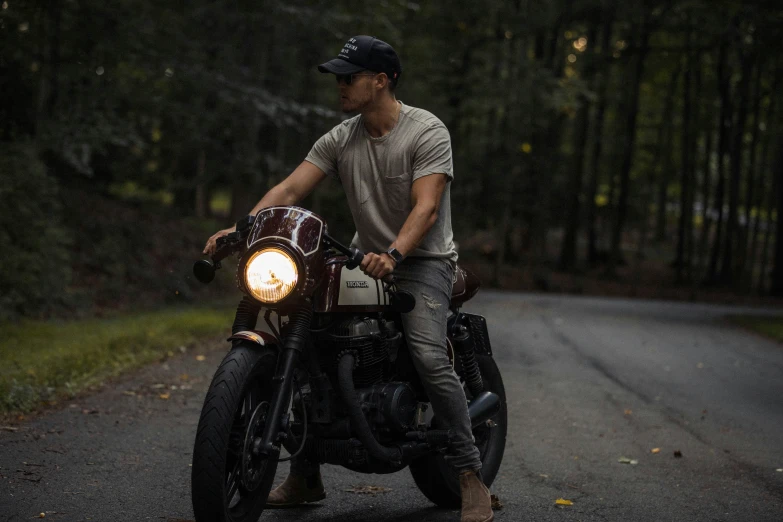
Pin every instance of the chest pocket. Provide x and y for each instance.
(398, 191)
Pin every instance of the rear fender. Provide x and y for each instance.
(261, 338)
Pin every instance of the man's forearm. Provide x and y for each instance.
(277, 195)
(415, 228)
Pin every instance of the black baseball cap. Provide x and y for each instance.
(365, 53)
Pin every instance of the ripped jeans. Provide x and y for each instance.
(430, 282)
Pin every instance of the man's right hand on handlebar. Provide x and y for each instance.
(209, 249)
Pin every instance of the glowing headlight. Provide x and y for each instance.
(270, 275)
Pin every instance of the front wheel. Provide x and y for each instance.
(230, 483)
(436, 479)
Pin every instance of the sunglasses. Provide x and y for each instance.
(348, 78)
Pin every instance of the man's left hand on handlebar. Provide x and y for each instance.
(377, 265)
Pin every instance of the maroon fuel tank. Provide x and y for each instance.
(344, 290)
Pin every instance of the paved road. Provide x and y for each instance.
(588, 381)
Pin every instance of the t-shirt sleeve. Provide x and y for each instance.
(324, 152)
(433, 153)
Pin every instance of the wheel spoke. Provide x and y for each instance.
(232, 481)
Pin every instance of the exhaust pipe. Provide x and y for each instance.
(483, 407)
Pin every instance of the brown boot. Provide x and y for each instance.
(476, 500)
(296, 490)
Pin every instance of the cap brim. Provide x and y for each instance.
(339, 66)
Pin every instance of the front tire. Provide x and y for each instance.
(228, 482)
(436, 479)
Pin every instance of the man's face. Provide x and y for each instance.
(359, 93)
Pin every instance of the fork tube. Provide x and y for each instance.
(294, 345)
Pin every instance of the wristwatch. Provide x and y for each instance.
(395, 254)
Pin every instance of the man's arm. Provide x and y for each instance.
(290, 191)
(426, 193)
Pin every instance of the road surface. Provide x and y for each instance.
(589, 381)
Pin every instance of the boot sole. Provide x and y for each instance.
(284, 505)
(490, 519)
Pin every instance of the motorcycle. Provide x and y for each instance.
(333, 381)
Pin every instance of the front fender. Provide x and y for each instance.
(256, 336)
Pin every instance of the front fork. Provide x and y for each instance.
(295, 342)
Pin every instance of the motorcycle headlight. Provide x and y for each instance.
(270, 275)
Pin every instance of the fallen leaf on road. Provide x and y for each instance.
(677, 454)
(628, 412)
(8, 428)
(563, 502)
(184, 377)
(158, 386)
(42, 515)
(368, 490)
(700, 365)
(626, 460)
(542, 475)
(201, 358)
(655, 450)
(496, 503)
(164, 396)
(90, 412)
(129, 392)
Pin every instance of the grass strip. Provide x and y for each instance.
(768, 326)
(43, 361)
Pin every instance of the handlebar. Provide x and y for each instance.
(204, 270)
(355, 256)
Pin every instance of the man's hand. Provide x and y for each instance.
(377, 265)
(209, 249)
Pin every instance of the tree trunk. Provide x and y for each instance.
(724, 126)
(573, 211)
(776, 284)
(201, 193)
(727, 275)
(765, 196)
(685, 169)
(706, 222)
(601, 86)
(625, 169)
(663, 167)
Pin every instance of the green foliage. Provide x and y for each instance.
(34, 245)
(47, 361)
(771, 327)
(165, 107)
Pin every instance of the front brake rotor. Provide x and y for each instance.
(253, 466)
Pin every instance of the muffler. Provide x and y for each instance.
(483, 407)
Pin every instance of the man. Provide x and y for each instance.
(394, 163)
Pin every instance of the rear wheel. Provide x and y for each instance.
(229, 482)
(436, 479)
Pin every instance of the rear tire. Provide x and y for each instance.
(436, 479)
(228, 484)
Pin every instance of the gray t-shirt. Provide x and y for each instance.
(377, 175)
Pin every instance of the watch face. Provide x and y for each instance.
(395, 254)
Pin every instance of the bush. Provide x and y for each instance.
(34, 246)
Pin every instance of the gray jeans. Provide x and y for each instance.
(430, 280)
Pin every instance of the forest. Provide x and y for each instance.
(599, 139)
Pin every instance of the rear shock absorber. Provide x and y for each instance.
(463, 348)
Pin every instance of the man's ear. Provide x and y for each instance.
(383, 80)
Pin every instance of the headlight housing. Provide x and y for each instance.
(271, 275)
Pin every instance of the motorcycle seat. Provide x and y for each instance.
(465, 285)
